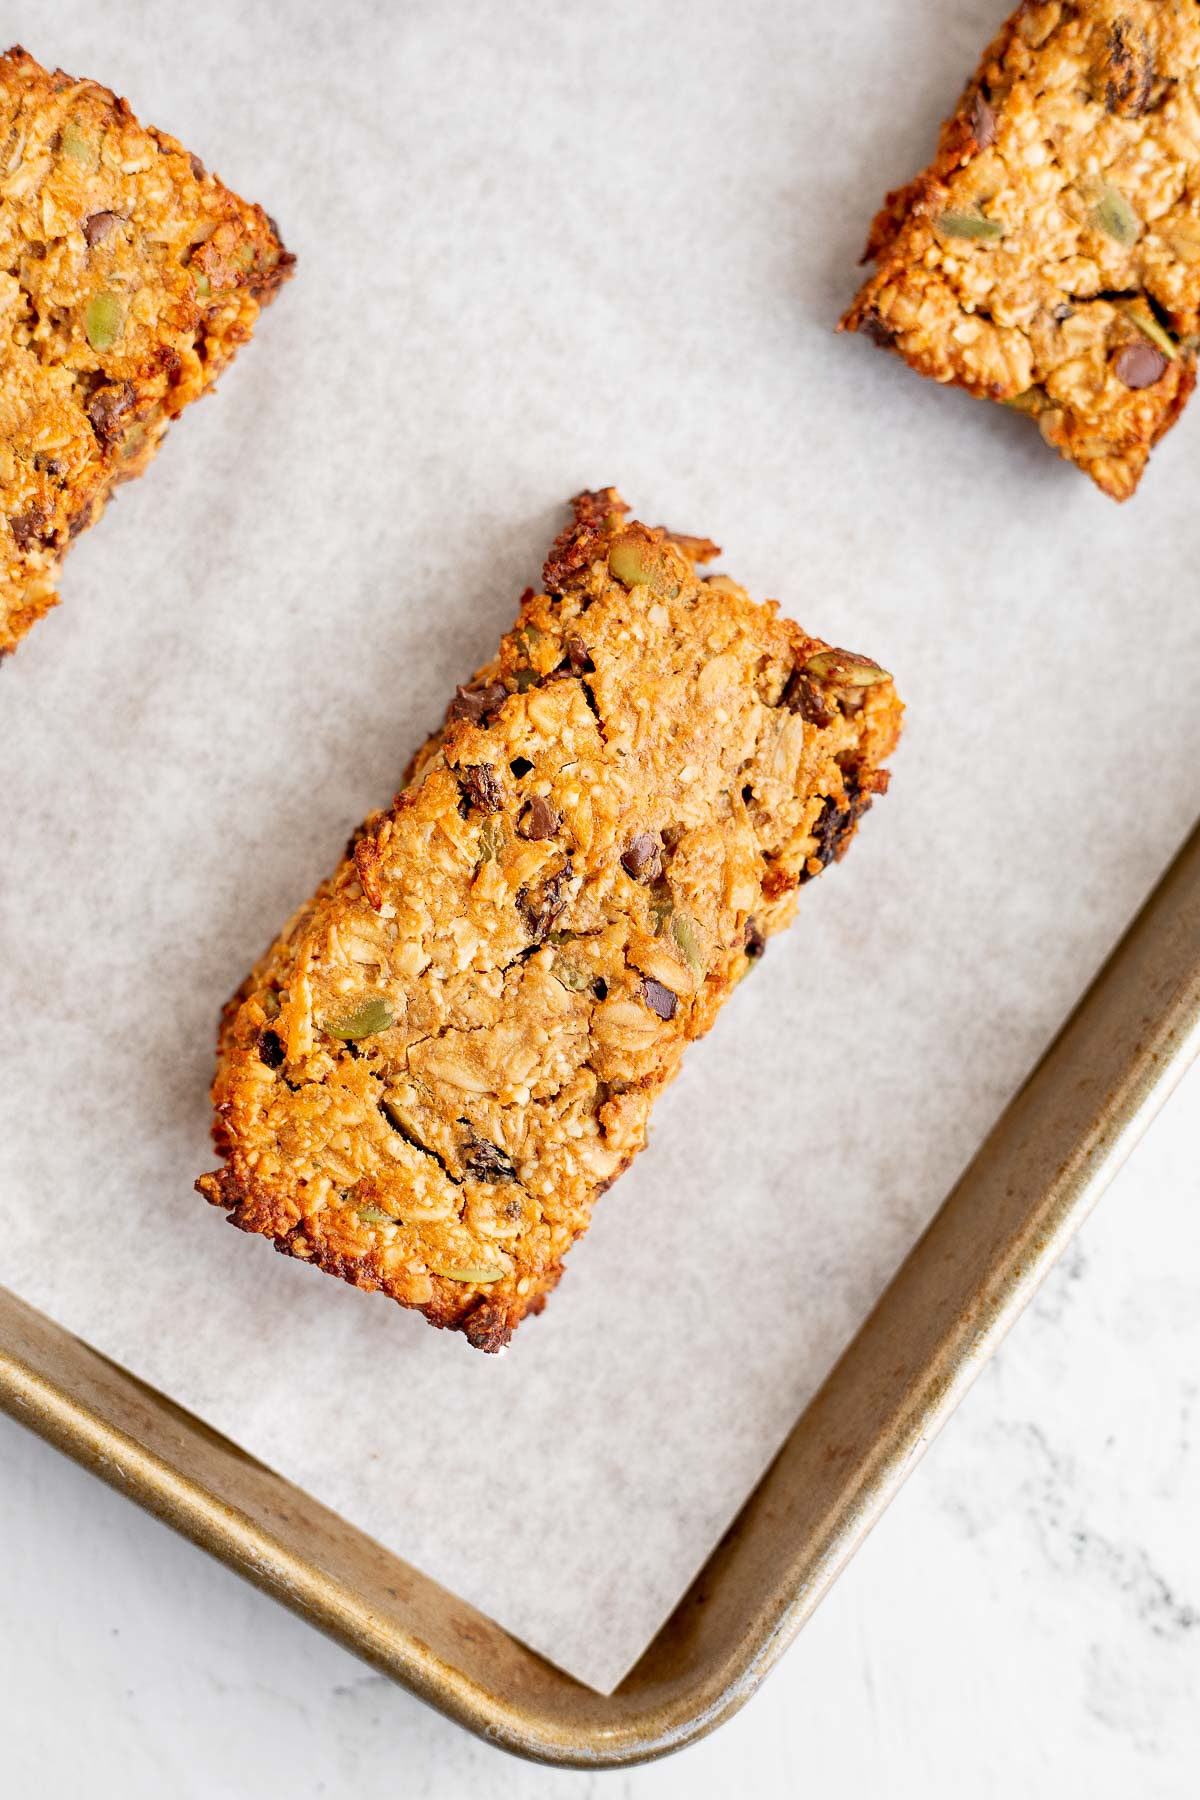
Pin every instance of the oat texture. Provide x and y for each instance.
(454, 1048)
(1050, 255)
(128, 278)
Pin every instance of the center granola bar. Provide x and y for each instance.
(453, 1049)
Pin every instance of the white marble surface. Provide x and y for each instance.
(1024, 1621)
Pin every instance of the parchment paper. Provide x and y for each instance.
(543, 248)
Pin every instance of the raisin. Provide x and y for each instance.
(480, 787)
(107, 407)
(485, 1161)
(803, 696)
(879, 332)
(754, 941)
(1126, 72)
(578, 657)
(541, 913)
(835, 825)
(30, 527)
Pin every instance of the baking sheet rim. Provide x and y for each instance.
(1029, 1187)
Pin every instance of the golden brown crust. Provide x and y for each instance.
(128, 278)
(453, 1049)
(1049, 256)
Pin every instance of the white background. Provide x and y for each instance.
(542, 248)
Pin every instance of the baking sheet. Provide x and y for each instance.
(541, 249)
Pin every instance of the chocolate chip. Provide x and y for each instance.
(97, 227)
(198, 169)
(872, 326)
(520, 765)
(29, 527)
(578, 657)
(1140, 365)
(270, 1049)
(803, 696)
(477, 704)
(485, 1161)
(480, 787)
(107, 407)
(983, 122)
(643, 859)
(659, 999)
(1062, 311)
(754, 941)
(539, 819)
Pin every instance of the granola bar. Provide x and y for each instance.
(128, 278)
(454, 1048)
(1050, 255)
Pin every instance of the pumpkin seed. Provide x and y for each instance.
(661, 908)
(491, 840)
(970, 225)
(371, 1016)
(845, 669)
(687, 936)
(1113, 215)
(572, 978)
(76, 144)
(640, 562)
(104, 321)
(1149, 327)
